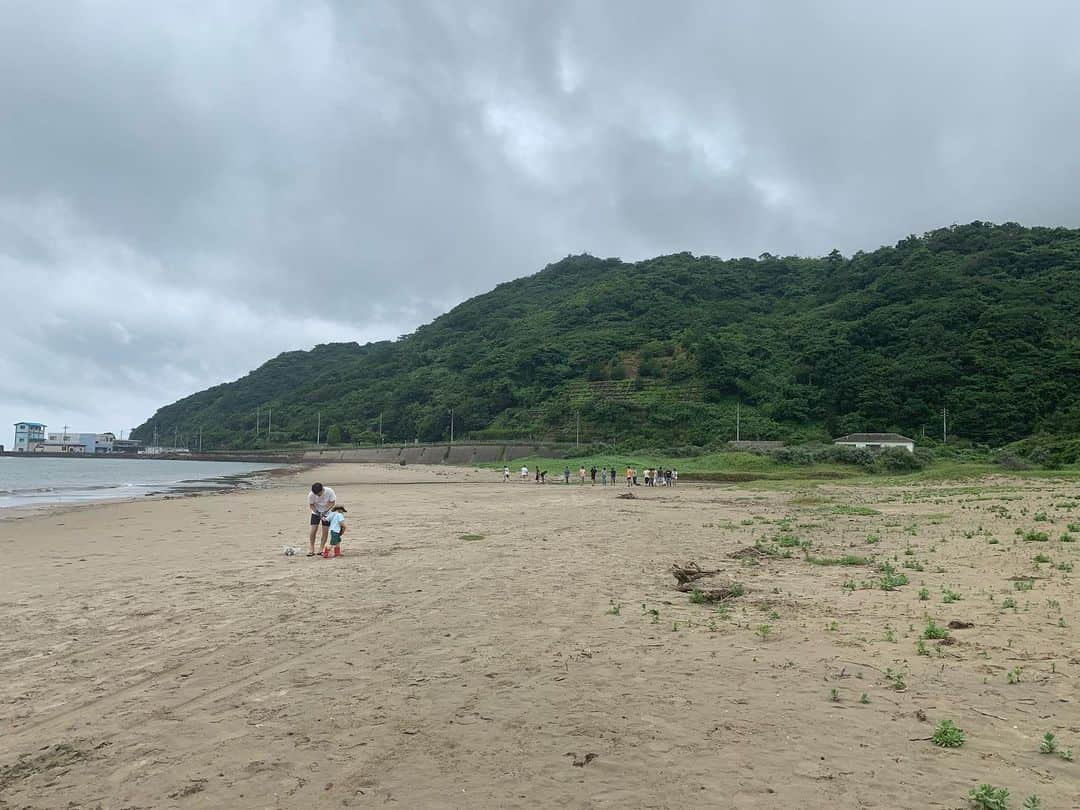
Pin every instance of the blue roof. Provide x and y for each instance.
(30, 424)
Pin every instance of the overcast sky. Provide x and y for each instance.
(189, 188)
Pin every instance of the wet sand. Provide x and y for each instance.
(479, 641)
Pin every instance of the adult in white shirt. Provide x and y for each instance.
(320, 501)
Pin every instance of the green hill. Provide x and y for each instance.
(981, 319)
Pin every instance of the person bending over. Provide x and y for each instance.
(320, 501)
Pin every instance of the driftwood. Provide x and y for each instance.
(956, 624)
(690, 580)
(628, 496)
(689, 572)
(713, 592)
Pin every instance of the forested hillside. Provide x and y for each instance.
(980, 319)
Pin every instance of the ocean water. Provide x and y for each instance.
(40, 481)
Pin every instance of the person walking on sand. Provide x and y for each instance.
(506, 475)
(337, 528)
(566, 475)
(320, 501)
(613, 476)
(581, 475)
(524, 473)
(603, 476)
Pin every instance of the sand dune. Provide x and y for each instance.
(491, 645)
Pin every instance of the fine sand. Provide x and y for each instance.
(491, 645)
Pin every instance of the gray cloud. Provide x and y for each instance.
(188, 189)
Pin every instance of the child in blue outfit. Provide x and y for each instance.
(337, 528)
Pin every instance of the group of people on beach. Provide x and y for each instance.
(654, 476)
(328, 515)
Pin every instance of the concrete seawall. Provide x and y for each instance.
(457, 454)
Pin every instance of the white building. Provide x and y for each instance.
(876, 441)
(27, 436)
(92, 443)
(70, 445)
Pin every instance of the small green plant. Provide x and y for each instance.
(1067, 537)
(1061, 621)
(948, 596)
(988, 797)
(1013, 675)
(896, 679)
(1066, 755)
(921, 648)
(863, 698)
(697, 597)
(934, 631)
(1074, 527)
(723, 612)
(774, 615)
(849, 585)
(873, 540)
(924, 594)
(764, 631)
(834, 695)
(1008, 602)
(890, 634)
(833, 626)
(1040, 517)
(614, 608)
(1038, 559)
(1032, 802)
(948, 735)
(891, 580)
(471, 537)
(1048, 745)
(711, 625)
(993, 541)
(1065, 566)
(1024, 584)
(1036, 537)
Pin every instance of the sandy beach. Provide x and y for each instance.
(511, 645)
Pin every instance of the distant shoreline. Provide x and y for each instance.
(52, 498)
(277, 458)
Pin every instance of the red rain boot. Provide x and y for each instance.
(326, 554)
(337, 551)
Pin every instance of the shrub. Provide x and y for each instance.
(898, 460)
(947, 735)
(988, 797)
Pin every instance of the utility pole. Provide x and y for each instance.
(738, 420)
(380, 429)
(175, 433)
(577, 437)
(318, 429)
(256, 423)
(451, 426)
(200, 440)
(269, 419)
